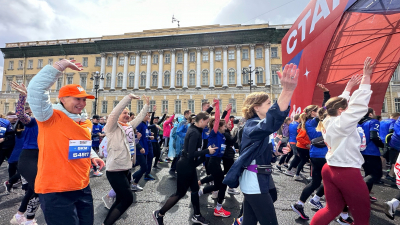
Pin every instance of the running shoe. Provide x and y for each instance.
(298, 178)
(279, 168)
(392, 179)
(316, 204)
(286, 166)
(108, 201)
(149, 177)
(390, 211)
(372, 199)
(17, 220)
(221, 213)
(97, 173)
(236, 221)
(299, 209)
(156, 167)
(30, 222)
(136, 188)
(289, 173)
(233, 191)
(159, 219)
(342, 221)
(200, 219)
(172, 173)
(214, 195)
(8, 186)
(16, 184)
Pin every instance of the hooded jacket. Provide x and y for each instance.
(395, 141)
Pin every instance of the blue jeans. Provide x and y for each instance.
(71, 207)
(142, 162)
(149, 159)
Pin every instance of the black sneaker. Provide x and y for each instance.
(286, 166)
(172, 173)
(8, 186)
(156, 167)
(299, 209)
(342, 221)
(159, 219)
(200, 219)
(279, 168)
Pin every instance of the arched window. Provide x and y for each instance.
(179, 78)
(218, 79)
(246, 76)
(120, 79)
(143, 79)
(231, 76)
(192, 77)
(108, 80)
(167, 77)
(260, 75)
(131, 81)
(155, 79)
(204, 77)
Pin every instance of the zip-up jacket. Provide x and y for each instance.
(167, 126)
(371, 129)
(293, 131)
(302, 139)
(384, 128)
(395, 141)
(311, 128)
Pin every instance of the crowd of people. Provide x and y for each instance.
(337, 139)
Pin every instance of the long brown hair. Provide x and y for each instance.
(331, 109)
(307, 115)
(251, 101)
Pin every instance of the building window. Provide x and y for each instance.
(19, 80)
(274, 52)
(191, 105)
(143, 79)
(231, 76)
(8, 86)
(6, 107)
(144, 59)
(155, 59)
(395, 76)
(179, 57)
(167, 58)
(83, 82)
(130, 106)
(220, 103)
(384, 106)
(30, 64)
(120, 79)
(164, 105)
(108, 80)
(397, 104)
(205, 56)
(139, 106)
(71, 58)
(204, 77)
(192, 57)
(59, 83)
(20, 64)
(259, 53)
(218, 56)
(152, 104)
(246, 76)
(104, 107)
(132, 60)
(109, 61)
(85, 62)
(27, 81)
(121, 61)
(275, 78)
(260, 75)
(192, 77)
(178, 106)
(231, 54)
(233, 102)
(218, 77)
(131, 79)
(115, 103)
(179, 78)
(166, 78)
(245, 54)
(70, 80)
(50, 62)
(40, 63)
(11, 65)
(98, 61)
(155, 79)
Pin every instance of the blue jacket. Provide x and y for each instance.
(31, 135)
(254, 146)
(384, 128)
(172, 139)
(293, 131)
(311, 126)
(19, 143)
(370, 125)
(180, 135)
(96, 130)
(395, 141)
(144, 140)
(218, 140)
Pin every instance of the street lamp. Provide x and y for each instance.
(96, 79)
(249, 72)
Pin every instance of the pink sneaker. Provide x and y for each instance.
(221, 213)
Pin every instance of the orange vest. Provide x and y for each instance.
(56, 173)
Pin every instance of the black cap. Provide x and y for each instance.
(97, 117)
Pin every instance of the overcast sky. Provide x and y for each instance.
(34, 20)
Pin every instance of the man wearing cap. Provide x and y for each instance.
(64, 142)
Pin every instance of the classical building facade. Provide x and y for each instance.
(178, 68)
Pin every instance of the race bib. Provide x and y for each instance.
(223, 147)
(131, 148)
(2, 131)
(79, 149)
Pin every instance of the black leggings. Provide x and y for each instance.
(5, 153)
(316, 183)
(156, 152)
(27, 166)
(259, 208)
(119, 181)
(295, 162)
(304, 155)
(373, 170)
(285, 158)
(227, 162)
(214, 165)
(186, 178)
(274, 195)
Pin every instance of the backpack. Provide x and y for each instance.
(363, 144)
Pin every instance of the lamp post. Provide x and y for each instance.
(249, 71)
(96, 78)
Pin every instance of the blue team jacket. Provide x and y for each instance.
(395, 141)
(368, 126)
(384, 128)
(311, 126)
(293, 131)
(142, 128)
(218, 140)
(96, 130)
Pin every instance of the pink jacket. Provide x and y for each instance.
(167, 126)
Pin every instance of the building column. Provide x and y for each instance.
(238, 67)
(225, 67)
(137, 67)
(185, 68)
(102, 70)
(198, 69)
(267, 69)
(172, 86)
(148, 71)
(125, 78)
(253, 63)
(211, 67)
(160, 69)
(114, 71)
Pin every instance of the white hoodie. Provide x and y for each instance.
(340, 132)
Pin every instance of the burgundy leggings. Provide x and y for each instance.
(343, 185)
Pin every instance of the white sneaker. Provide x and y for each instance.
(97, 173)
(214, 195)
(108, 201)
(389, 210)
(30, 222)
(233, 191)
(297, 177)
(136, 187)
(18, 220)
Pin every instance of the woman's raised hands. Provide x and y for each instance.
(19, 87)
(289, 77)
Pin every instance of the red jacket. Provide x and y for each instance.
(302, 139)
(167, 126)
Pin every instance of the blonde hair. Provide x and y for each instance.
(306, 115)
(253, 100)
(331, 109)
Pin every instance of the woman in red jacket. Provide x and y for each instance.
(303, 142)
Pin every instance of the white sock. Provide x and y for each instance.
(200, 192)
(219, 206)
(18, 216)
(395, 203)
(344, 215)
(300, 203)
(316, 198)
